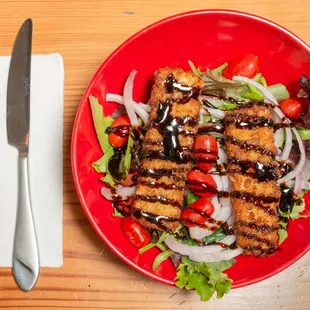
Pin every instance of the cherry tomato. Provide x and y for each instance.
(135, 233)
(206, 152)
(201, 184)
(198, 212)
(119, 131)
(131, 179)
(245, 66)
(291, 107)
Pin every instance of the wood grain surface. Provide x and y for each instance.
(85, 33)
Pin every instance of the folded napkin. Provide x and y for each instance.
(45, 160)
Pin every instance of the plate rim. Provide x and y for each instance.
(98, 72)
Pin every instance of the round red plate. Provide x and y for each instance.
(208, 38)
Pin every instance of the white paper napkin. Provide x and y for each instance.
(45, 160)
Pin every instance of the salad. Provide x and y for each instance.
(202, 253)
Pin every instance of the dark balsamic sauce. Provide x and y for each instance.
(285, 168)
(169, 127)
(282, 125)
(205, 129)
(158, 173)
(249, 147)
(165, 186)
(254, 169)
(114, 164)
(157, 220)
(254, 225)
(121, 131)
(243, 121)
(189, 92)
(161, 199)
(286, 200)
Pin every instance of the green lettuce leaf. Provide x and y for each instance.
(205, 279)
(190, 241)
(227, 106)
(116, 213)
(253, 93)
(152, 245)
(216, 236)
(101, 123)
(219, 70)
(279, 91)
(126, 160)
(282, 235)
(304, 133)
(216, 85)
(260, 79)
(160, 258)
(191, 197)
(101, 165)
(293, 214)
(195, 70)
(108, 180)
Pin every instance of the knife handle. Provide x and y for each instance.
(26, 266)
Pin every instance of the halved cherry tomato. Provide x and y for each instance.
(197, 213)
(118, 136)
(245, 66)
(131, 179)
(135, 233)
(206, 152)
(201, 184)
(291, 107)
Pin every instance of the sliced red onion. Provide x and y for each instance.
(198, 233)
(217, 207)
(231, 219)
(305, 185)
(306, 171)
(292, 184)
(120, 99)
(288, 135)
(145, 107)
(185, 249)
(217, 179)
(299, 167)
(226, 183)
(216, 113)
(121, 192)
(298, 184)
(216, 257)
(114, 98)
(140, 108)
(142, 113)
(267, 94)
(128, 100)
(222, 155)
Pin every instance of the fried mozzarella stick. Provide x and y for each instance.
(167, 148)
(253, 171)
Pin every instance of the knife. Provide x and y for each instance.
(26, 265)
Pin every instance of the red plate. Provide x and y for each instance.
(208, 38)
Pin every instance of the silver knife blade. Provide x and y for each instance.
(18, 92)
(26, 263)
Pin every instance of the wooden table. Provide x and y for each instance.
(85, 33)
